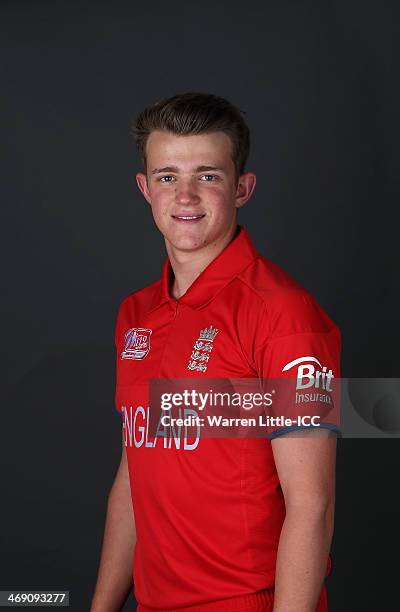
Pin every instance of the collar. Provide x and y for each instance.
(230, 262)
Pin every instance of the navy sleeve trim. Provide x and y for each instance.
(283, 430)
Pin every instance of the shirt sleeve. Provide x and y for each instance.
(299, 363)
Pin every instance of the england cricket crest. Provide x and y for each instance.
(136, 343)
(202, 349)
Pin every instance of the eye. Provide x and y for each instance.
(166, 177)
(210, 176)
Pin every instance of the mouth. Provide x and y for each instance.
(188, 218)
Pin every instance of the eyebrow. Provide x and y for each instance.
(176, 169)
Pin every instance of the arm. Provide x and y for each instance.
(115, 572)
(305, 463)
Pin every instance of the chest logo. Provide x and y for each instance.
(136, 343)
(202, 349)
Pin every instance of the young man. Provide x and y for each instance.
(223, 523)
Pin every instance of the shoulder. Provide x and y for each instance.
(292, 327)
(141, 298)
(135, 306)
(288, 308)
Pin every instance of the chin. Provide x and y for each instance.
(187, 244)
(186, 240)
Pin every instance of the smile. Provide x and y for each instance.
(188, 217)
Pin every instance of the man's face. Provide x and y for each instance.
(191, 188)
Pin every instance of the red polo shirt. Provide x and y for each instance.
(209, 512)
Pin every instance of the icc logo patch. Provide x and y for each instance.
(136, 343)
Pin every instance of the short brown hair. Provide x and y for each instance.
(195, 113)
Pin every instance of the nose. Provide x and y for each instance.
(186, 194)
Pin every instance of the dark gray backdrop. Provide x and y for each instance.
(319, 84)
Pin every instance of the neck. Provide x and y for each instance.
(187, 266)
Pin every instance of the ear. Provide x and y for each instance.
(141, 180)
(245, 188)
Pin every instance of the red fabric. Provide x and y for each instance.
(257, 602)
(209, 511)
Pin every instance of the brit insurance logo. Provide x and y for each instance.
(308, 375)
(136, 343)
(202, 349)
